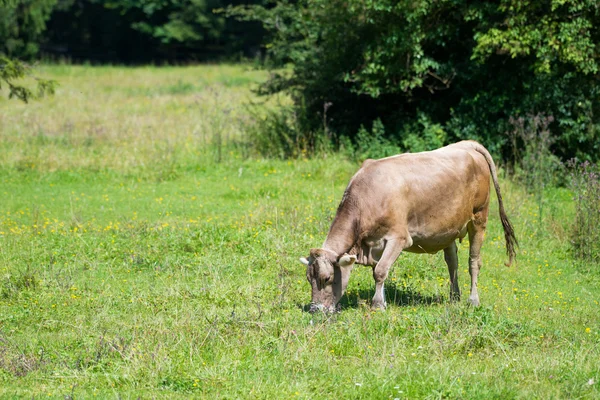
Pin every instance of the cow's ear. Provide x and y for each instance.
(347, 260)
(304, 261)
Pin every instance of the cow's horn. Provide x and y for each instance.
(304, 261)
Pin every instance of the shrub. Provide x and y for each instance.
(533, 163)
(374, 144)
(424, 135)
(467, 66)
(277, 133)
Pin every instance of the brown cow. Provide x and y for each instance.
(419, 202)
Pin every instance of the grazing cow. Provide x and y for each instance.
(417, 202)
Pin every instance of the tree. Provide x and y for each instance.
(22, 23)
(148, 30)
(465, 67)
(14, 70)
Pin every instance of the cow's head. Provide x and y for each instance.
(328, 277)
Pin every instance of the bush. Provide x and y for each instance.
(424, 135)
(373, 144)
(277, 133)
(466, 66)
(533, 162)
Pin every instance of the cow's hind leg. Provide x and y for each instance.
(476, 232)
(392, 250)
(451, 257)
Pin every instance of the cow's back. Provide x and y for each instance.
(433, 195)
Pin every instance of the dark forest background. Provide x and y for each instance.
(126, 31)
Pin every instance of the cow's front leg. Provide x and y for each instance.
(393, 248)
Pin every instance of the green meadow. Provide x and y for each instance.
(147, 252)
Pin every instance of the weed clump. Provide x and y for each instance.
(14, 284)
(533, 163)
(585, 183)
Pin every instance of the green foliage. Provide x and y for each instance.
(186, 21)
(541, 57)
(22, 24)
(277, 133)
(424, 135)
(374, 144)
(125, 30)
(552, 32)
(466, 66)
(14, 70)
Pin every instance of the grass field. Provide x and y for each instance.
(143, 254)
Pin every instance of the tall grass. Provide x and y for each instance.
(585, 182)
(533, 163)
(129, 119)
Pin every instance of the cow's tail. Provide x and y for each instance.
(509, 232)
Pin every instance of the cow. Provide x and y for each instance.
(415, 202)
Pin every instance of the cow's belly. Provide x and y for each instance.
(429, 246)
(432, 243)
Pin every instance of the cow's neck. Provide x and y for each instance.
(342, 236)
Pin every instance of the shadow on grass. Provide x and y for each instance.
(399, 296)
